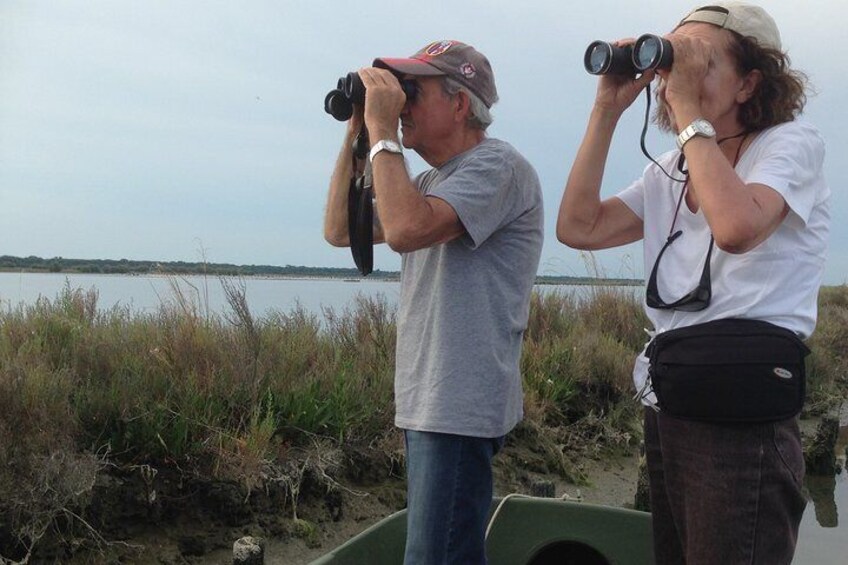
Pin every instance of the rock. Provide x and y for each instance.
(249, 551)
(642, 500)
(543, 488)
(822, 493)
(307, 531)
(820, 456)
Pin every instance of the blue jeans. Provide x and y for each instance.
(449, 492)
(729, 494)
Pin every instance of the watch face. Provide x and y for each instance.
(705, 127)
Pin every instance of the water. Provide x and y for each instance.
(823, 538)
(145, 293)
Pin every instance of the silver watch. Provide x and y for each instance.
(700, 127)
(385, 145)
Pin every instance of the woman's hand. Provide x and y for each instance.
(684, 82)
(617, 92)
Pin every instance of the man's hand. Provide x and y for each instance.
(384, 101)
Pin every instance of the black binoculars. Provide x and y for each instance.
(649, 52)
(350, 90)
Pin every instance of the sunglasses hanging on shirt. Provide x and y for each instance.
(699, 298)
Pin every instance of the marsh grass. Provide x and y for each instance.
(252, 399)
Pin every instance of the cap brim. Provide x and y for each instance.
(408, 66)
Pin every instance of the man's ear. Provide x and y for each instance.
(750, 84)
(462, 106)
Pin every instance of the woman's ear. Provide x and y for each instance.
(750, 83)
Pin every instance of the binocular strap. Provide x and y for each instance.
(360, 209)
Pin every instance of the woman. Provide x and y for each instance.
(734, 225)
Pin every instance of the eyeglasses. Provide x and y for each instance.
(693, 301)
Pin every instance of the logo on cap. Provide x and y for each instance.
(467, 70)
(437, 48)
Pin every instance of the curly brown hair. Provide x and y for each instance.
(780, 95)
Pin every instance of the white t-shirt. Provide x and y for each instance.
(777, 281)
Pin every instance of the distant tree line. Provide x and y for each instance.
(132, 267)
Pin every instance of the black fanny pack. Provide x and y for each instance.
(729, 370)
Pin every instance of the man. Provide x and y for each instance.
(470, 234)
(748, 231)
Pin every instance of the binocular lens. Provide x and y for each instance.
(598, 57)
(338, 105)
(652, 52)
(603, 58)
(649, 52)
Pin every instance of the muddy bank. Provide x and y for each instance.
(164, 516)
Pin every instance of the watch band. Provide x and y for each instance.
(698, 127)
(385, 145)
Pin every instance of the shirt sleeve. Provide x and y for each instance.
(789, 161)
(482, 191)
(634, 195)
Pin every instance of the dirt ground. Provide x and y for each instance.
(170, 519)
(167, 518)
(612, 482)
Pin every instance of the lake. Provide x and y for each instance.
(145, 293)
(823, 538)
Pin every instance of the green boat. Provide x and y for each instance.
(524, 531)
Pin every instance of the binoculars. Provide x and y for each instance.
(649, 52)
(350, 90)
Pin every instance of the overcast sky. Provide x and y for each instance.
(182, 129)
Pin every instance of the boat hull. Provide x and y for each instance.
(524, 531)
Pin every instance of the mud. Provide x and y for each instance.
(163, 516)
(166, 516)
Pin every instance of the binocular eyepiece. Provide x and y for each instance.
(350, 90)
(649, 52)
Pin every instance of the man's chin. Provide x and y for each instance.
(405, 138)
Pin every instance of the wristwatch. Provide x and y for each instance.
(385, 145)
(699, 126)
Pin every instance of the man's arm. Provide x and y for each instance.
(409, 220)
(336, 216)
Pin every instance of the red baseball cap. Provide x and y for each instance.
(451, 58)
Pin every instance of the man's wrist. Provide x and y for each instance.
(387, 146)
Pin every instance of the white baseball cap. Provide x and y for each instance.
(745, 19)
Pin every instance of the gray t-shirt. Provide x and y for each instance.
(464, 304)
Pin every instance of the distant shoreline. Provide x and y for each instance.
(126, 267)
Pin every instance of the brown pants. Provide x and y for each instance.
(724, 494)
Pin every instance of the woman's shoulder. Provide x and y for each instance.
(796, 131)
(799, 141)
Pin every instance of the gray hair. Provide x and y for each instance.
(480, 117)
